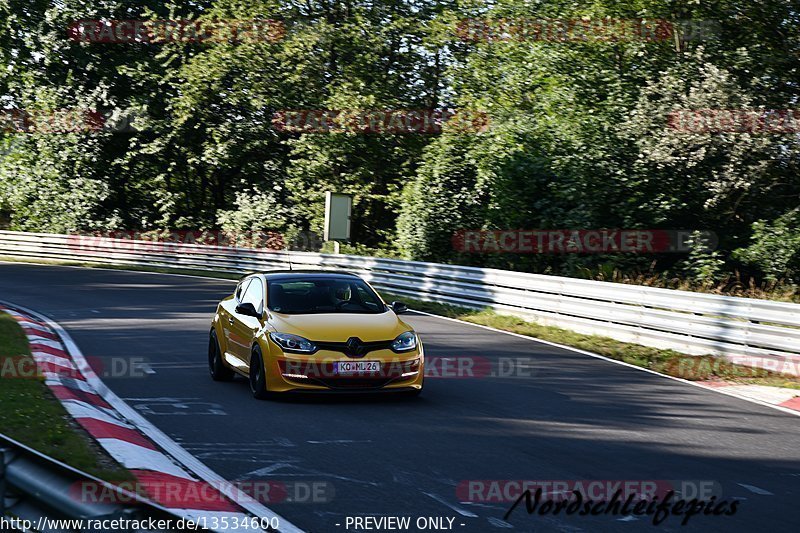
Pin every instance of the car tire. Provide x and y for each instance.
(216, 367)
(258, 377)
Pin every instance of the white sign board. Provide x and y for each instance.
(337, 216)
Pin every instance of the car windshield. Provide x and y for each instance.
(318, 295)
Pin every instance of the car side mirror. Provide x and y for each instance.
(399, 307)
(247, 309)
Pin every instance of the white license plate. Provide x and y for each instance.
(347, 368)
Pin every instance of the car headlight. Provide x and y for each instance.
(293, 343)
(405, 342)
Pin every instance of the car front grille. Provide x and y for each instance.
(354, 349)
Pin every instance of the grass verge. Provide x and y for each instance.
(670, 362)
(31, 415)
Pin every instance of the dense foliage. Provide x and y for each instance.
(577, 138)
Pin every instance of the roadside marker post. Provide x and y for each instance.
(338, 209)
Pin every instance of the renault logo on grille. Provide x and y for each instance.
(355, 348)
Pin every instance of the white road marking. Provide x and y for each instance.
(456, 508)
(36, 339)
(267, 470)
(257, 446)
(158, 399)
(31, 325)
(52, 378)
(719, 390)
(79, 409)
(133, 456)
(171, 366)
(479, 504)
(41, 357)
(145, 367)
(175, 406)
(756, 490)
(301, 472)
(343, 441)
(49, 343)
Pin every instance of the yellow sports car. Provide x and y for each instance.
(313, 331)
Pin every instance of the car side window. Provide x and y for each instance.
(240, 289)
(367, 299)
(254, 294)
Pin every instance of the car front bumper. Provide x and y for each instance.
(317, 372)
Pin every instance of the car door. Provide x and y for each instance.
(227, 319)
(243, 328)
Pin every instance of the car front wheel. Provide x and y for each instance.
(258, 378)
(217, 369)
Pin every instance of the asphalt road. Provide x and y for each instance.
(562, 416)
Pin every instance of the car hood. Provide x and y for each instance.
(338, 327)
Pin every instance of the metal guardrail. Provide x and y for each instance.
(689, 322)
(34, 486)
